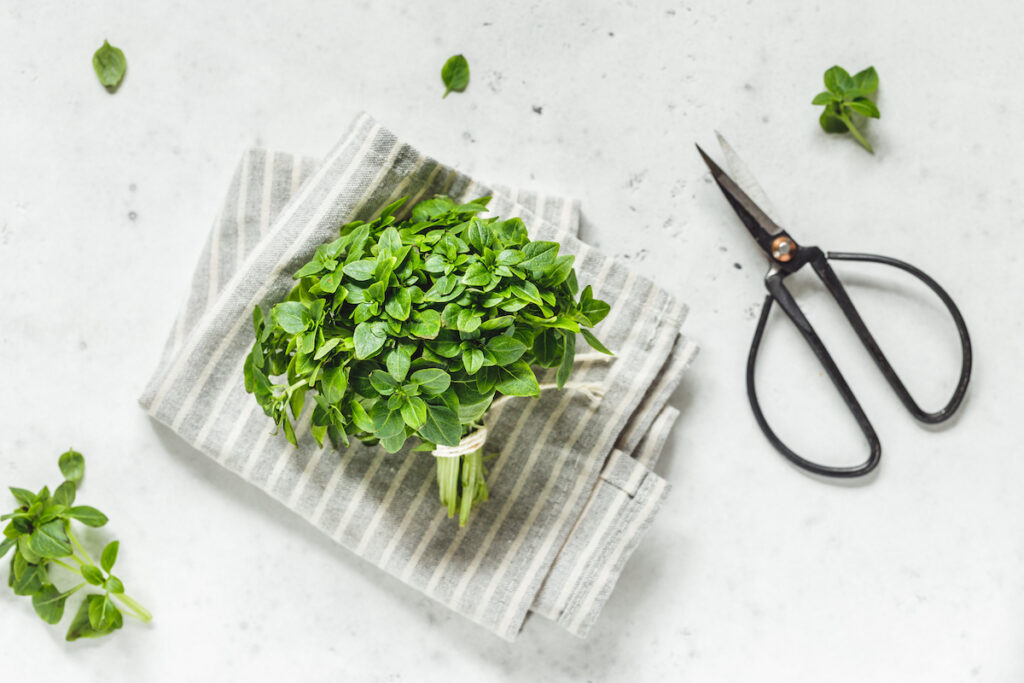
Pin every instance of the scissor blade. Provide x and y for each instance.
(759, 225)
(736, 168)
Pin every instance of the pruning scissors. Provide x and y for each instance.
(785, 257)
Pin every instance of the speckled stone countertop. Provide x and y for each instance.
(752, 571)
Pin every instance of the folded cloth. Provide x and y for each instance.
(572, 491)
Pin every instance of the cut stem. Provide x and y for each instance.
(856, 133)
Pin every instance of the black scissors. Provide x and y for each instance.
(785, 257)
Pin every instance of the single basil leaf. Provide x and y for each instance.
(837, 80)
(50, 540)
(72, 465)
(823, 98)
(538, 256)
(109, 64)
(87, 515)
(473, 360)
(595, 310)
(425, 324)
(476, 275)
(398, 361)
(360, 418)
(23, 496)
(383, 382)
(506, 349)
(866, 82)
(48, 603)
(368, 339)
(594, 342)
(864, 107)
(414, 411)
(517, 379)
(109, 556)
(361, 270)
(442, 426)
(92, 574)
(399, 305)
(288, 316)
(80, 626)
(65, 493)
(334, 383)
(432, 381)
(7, 544)
(31, 580)
(831, 123)
(113, 585)
(455, 75)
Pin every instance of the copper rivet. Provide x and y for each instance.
(783, 248)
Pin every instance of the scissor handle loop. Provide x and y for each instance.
(778, 292)
(831, 281)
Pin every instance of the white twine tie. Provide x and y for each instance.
(476, 439)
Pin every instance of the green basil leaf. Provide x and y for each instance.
(109, 64)
(92, 574)
(506, 350)
(65, 494)
(289, 316)
(823, 98)
(425, 324)
(49, 602)
(432, 381)
(334, 384)
(442, 426)
(383, 382)
(109, 556)
(473, 360)
(837, 80)
(87, 515)
(50, 539)
(594, 342)
(23, 496)
(414, 411)
(72, 465)
(454, 75)
(864, 107)
(368, 339)
(517, 379)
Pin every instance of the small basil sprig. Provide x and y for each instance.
(846, 95)
(455, 74)
(39, 532)
(411, 329)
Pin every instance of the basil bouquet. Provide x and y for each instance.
(401, 329)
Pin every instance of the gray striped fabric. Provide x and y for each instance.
(568, 502)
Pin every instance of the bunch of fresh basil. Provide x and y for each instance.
(401, 329)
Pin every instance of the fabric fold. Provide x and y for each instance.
(552, 451)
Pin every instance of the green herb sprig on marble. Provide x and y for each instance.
(411, 329)
(40, 533)
(846, 97)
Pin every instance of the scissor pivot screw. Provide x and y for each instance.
(783, 248)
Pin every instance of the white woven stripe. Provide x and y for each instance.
(627, 536)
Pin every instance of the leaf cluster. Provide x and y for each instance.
(845, 96)
(401, 329)
(39, 532)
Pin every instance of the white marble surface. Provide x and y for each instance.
(752, 571)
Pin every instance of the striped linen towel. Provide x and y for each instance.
(572, 491)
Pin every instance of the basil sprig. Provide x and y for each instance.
(846, 97)
(403, 329)
(39, 531)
